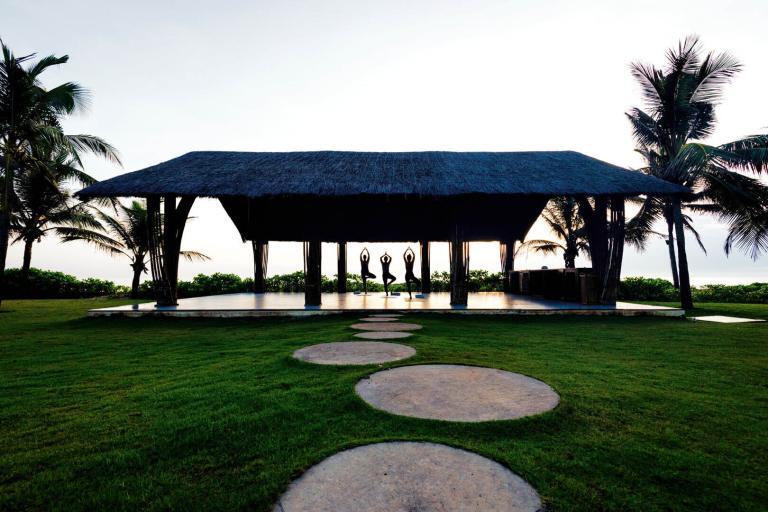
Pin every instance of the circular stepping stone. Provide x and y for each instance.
(405, 476)
(354, 352)
(386, 315)
(456, 393)
(385, 326)
(378, 335)
(372, 319)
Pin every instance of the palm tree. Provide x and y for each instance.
(42, 202)
(30, 115)
(680, 112)
(562, 217)
(127, 234)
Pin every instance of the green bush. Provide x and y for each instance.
(48, 284)
(643, 288)
(755, 293)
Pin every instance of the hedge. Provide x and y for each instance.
(47, 284)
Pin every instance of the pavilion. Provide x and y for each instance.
(340, 197)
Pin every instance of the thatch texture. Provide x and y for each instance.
(343, 173)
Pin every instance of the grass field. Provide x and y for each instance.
(656, 414)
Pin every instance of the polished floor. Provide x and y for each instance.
(292, 304)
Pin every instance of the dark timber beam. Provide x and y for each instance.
(606, 242)
(507, 256)
(165, 231)
(160, 285)
(312, 273)
(459, 255)
(426, 273)
(614, 252)
(260, 260)
(341, 273)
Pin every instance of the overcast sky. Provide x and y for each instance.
(172, 77)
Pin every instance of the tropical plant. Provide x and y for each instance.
(679, 113)
(31, 114)
(43, 204)
(562, 217)
(125, 234)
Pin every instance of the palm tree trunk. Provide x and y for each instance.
(27, 262)
(686, 298)
(136, 282)
(5, 225)
(672, 258)
(5, 219)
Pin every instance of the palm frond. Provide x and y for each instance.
(41, 65)
(749, 153)
(94, 145)
(193, 256)
(100, 241)
(715, 71)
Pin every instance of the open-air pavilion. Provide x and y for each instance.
(341, 197)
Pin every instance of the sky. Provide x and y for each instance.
(169, 77)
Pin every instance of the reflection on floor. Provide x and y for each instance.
(292, 304)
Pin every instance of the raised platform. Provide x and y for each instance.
(292, 304)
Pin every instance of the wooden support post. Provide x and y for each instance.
(606, 243)
(341, 273)
(174, 220)
(170, 249)
(426, 277)
(160, 284)
(507, 256)
(598, 237)
(260, 260)
(615, 252)
(312, 273)
(459, 256)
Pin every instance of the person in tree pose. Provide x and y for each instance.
(365, 274)
(388, 278)
(410, 258)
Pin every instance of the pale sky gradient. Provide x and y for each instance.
(177, 76)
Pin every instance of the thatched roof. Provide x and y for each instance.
(346, 173)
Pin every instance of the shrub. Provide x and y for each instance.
(755, 293)
(643, 288)
(48, 284)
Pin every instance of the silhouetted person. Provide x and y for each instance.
(385, 275)
(410, 258)
(365, 274)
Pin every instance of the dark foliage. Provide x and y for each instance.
(641, 288)
(47, 284)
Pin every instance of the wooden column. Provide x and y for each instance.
(459, 256)
(341, 273)
(260, 260)
(312, 273)
(426, 273)
(174, 220)
(597, 230)
(507, 256)
(164, 236)
(606, 243)
(160, 284)
(614, 252)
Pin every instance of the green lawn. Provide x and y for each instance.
(125, 414)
